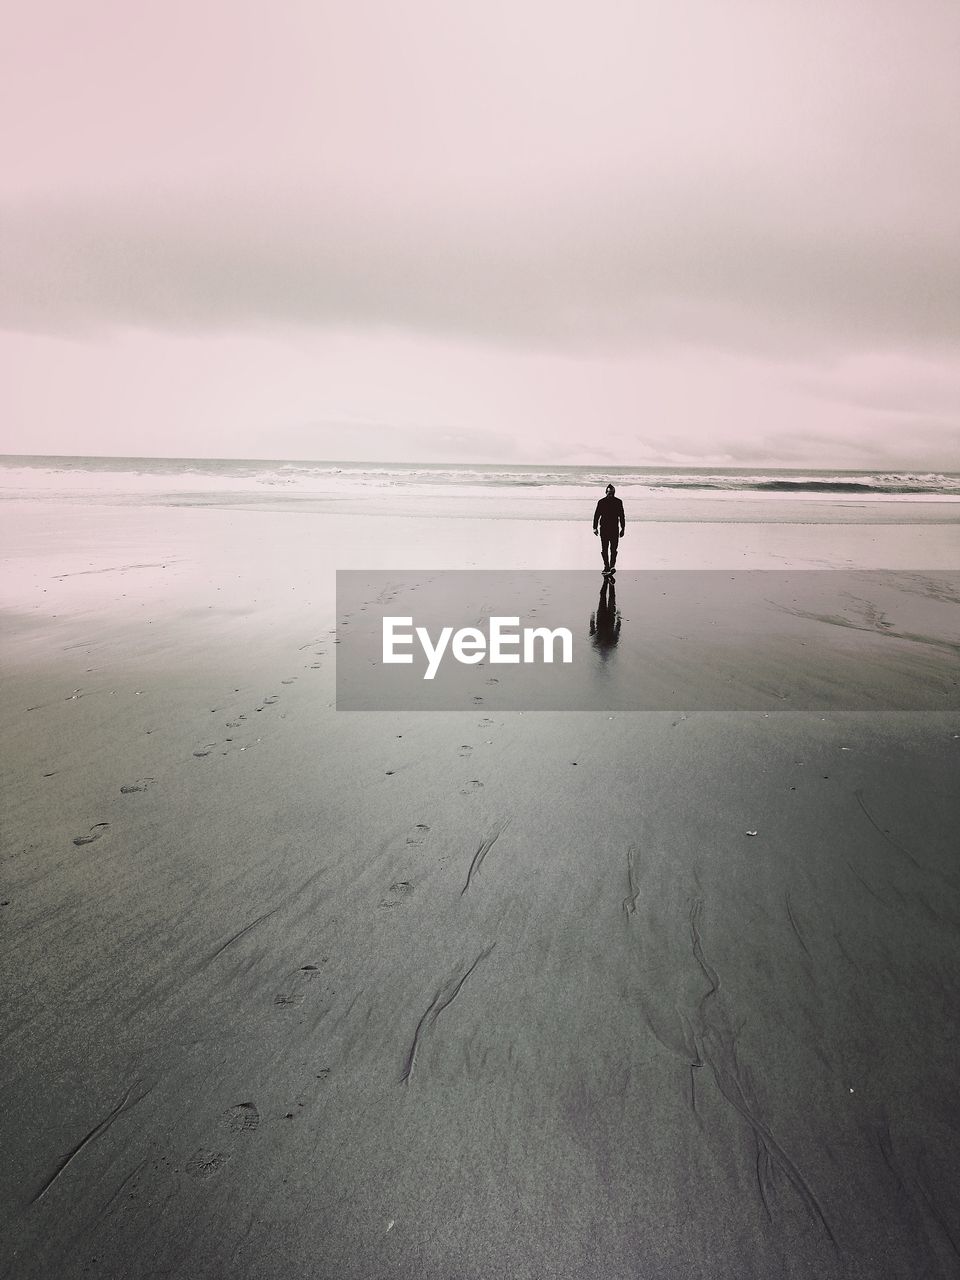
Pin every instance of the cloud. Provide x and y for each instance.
(379, 441)
(757, 176)
(650, 271)
(724, 231)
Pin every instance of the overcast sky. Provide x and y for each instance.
(483, 230)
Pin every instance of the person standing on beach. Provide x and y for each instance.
(609, 524)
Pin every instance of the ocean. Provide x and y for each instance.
(27, 476)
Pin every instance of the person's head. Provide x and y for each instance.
(610, 491)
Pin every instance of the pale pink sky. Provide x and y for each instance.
(531, 231)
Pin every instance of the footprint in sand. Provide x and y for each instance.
(96, 831)
(206, 750)
(291, 1000)
(268, 702)
(142, 784)
(419, 834)
(290, 681)
(468, 788)
(397, 894)
(465, 750)
(243, 1117)
(206, 1164)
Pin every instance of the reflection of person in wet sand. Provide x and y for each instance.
(605, 622)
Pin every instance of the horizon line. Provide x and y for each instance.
(503, 464)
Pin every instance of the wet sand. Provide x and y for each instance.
(293, 992)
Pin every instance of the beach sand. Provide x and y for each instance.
(293, 992)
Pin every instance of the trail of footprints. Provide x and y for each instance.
(243, 1119)
(236, 1125)
(402, 891)
(395, 896)
(240, 721)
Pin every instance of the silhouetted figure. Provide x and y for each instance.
(609, 522)
(605, 623)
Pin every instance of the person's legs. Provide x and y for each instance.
(605, 548)
(614, 543)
